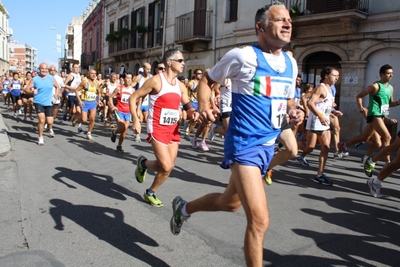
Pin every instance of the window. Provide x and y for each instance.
(155, 23)
(231, 10)
(137, 38)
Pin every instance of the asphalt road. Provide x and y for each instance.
(75, 202)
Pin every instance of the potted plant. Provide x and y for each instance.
(295, 10)
(111, 37)
(351, 4)
(124, 32)
(140, 29)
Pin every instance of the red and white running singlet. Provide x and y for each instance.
(164, 107)
(123, 99)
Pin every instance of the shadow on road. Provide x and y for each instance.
(106, 224)
(102, 184)
(371, 225)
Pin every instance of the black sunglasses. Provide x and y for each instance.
(178, 60)
(161, 68)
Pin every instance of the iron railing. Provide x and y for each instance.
(186, 26)
(309, 7)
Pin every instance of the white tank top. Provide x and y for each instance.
(75, 83)
(324, 107)
(145, 101)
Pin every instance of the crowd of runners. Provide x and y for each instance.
(253, 97)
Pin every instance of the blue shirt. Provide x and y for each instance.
(258, 108)
(44, 96)
(15, 88)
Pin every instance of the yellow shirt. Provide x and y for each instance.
(90, 92)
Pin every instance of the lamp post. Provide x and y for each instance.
(59, 46)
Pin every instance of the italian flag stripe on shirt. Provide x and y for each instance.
(262, 86)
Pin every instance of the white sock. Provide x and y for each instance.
(376, 181)
(183, 210)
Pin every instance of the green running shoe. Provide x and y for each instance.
(152, 200)
(140, 172)
(369, 167)
(177, 216)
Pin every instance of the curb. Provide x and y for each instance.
(4, 140)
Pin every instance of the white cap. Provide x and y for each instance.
(140, 70)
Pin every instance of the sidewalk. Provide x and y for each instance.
(4, 140)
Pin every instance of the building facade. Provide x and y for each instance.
(22, 57)
(92, 35)
(73, 43)
(5, 33)
(357, 39)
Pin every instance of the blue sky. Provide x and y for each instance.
(31, 22)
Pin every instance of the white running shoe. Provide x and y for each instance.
(89, 137)
(41, 141)
(374, 189)
(193, 141)
(203, 146)
(211, 134)
(51, 133)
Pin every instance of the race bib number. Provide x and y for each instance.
(16, 86)
(91, 96)
(169, 116)
(125, 98)
(278, 112)
(327, 112)
(385, 110)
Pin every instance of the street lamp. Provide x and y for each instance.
(59, 46)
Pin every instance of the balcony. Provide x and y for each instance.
(9, 32)
(310, 7)
(70, 30)
(126, 48)
(70, 53)
(321, 13)
(193, 28)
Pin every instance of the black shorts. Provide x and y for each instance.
(115, 101)
(105, 98)
(15, 98)
(226, 115)
(371, 118)
(72, 101)
(48, 110)
(317, 132)
(27, 96)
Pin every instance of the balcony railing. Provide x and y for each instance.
(309, 7)
(193, 25)
(127, 45)
(70, 30)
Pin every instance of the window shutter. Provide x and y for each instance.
(150, 24)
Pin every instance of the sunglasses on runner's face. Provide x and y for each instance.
(180, 60)
(161, 68)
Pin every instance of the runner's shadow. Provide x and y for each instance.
(102, 184)
(275, 259)
(106, 224)
(188, 176)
